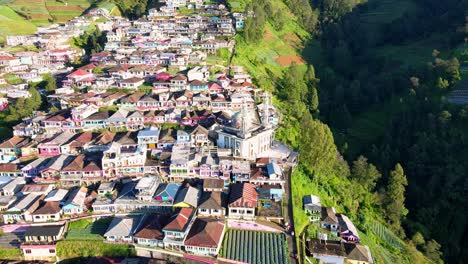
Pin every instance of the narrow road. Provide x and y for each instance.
(290, 219)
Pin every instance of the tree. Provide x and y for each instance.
(313, 100)
(395, 206)
(432, 251)
(318, 150)
(35, 100)
(365, 173)
(442, 84)
(50, 83)
(418, 239)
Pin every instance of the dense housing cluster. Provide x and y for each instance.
(151, 131)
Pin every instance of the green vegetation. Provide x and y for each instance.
(92, 248)
(361, 192)
(13, 24)
(386, 69)
(86, 229)
(255, 247)
(266, 58)
(91, 41)
(10, 254)
(62, 11)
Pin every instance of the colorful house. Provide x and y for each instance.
(167, 192)
(187, 197)
(75, 202)
(40, 242)
(177, 228)
(11, 148)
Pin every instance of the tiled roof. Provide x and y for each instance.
(211, 200)
(76, 164)
(9, 167)
(132, 98)
(14, 142)
(98, 116)
(213, 183)
(152, 227)
(179, 77)
(48, 208)
(132, 80)
(180, 220)
(205, 233)
(78, 72)
(243, 195)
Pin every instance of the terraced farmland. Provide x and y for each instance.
(13, 24)
(87, 230)
(255, 247)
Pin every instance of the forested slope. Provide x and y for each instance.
(351, 189)
(385, 75)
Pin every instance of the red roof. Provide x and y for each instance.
(180, 220)
(78, 72)
(243, 195)
(214, 86)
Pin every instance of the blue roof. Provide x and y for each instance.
(273, 168)
(168, 190)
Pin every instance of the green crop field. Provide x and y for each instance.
(87, 230)
(63, 11)
(34, 11)
(255, 247)
(13, 24)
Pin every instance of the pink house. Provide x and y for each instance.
(52, 147)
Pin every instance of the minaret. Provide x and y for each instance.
(244, 126)
(266, 111)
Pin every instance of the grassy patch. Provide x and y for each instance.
(75, 249)
(85, 229)
(261, 60)
(10, 254)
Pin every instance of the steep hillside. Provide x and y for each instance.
(13, 24)
(269, 60)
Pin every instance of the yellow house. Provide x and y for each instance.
(187, 197)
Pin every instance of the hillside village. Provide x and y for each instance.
(174, 153)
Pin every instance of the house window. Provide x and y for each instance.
(52, 251)
(27, 251)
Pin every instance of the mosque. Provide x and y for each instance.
(247, 135)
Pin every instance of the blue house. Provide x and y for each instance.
(197, 85)
(96, 121)
(182, 136)
(167, 192)
(75, 202)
